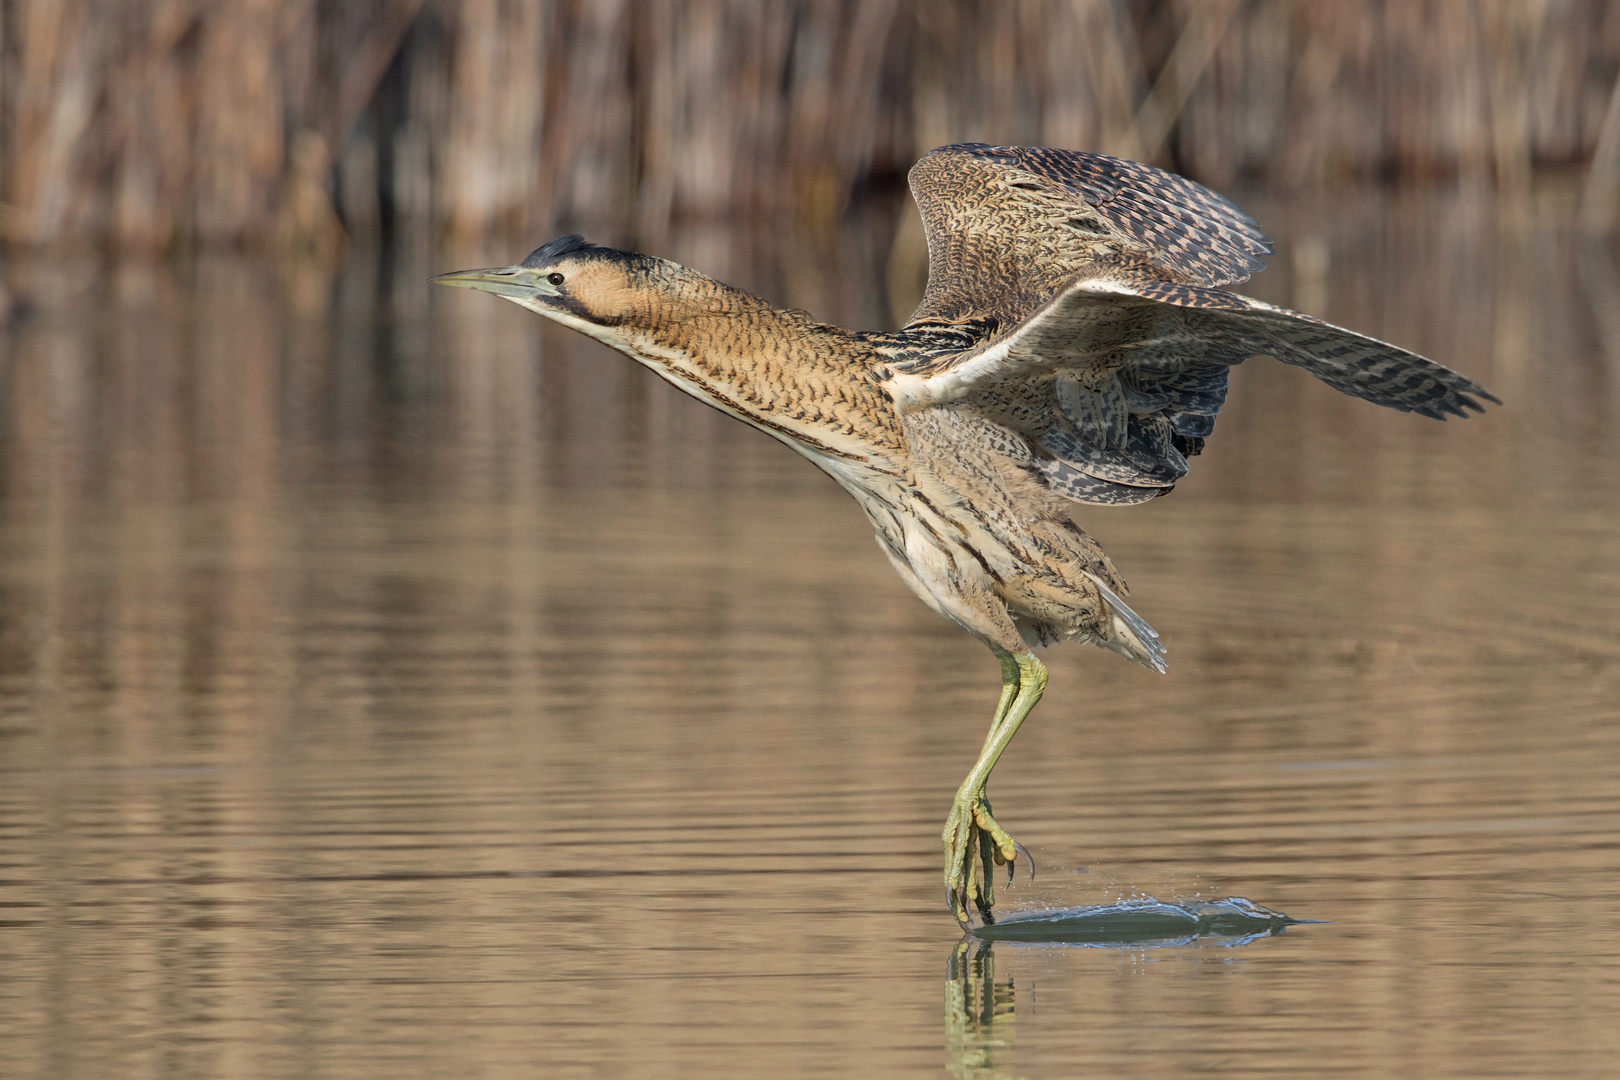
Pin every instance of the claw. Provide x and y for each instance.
(1021, 849)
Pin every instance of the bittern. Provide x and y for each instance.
(1072, 346)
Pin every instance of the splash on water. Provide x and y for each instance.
(1142, 922)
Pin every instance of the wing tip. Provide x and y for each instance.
(1462, 401)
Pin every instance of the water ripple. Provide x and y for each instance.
(1142, 922)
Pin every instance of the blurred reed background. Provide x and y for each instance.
(147, 124)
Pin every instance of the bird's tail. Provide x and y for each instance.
(1126, 632)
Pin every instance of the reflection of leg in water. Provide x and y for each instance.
(978, 1014)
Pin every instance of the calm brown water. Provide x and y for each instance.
(393, 686)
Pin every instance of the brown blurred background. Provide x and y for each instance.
(146, 124)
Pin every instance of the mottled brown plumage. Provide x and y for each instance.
(1071, 348)
(1009, 226)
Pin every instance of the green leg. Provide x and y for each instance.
(973, 841)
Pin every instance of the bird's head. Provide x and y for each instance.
(590, 288)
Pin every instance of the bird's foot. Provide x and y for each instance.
(974, 844)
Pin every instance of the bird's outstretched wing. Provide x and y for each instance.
(1085, 282)
(1009, 226)
(1115, 384)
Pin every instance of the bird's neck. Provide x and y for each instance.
(686, 301)
(805, 382)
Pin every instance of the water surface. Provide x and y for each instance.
(391, 685)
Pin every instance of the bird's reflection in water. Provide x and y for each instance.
(978, 1013)
(979, 1009)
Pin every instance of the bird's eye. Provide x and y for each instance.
(555, 279)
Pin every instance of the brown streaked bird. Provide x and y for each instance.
(1072, 347)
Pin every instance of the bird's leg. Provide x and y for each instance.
(983, 827)
(962, 838)
(971, 833)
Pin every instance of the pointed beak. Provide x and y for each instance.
(511, 282)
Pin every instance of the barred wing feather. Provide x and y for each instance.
(1009, 226)
(1135, 374)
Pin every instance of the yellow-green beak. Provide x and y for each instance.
(511, 282)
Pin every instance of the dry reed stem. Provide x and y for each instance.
(146, 123)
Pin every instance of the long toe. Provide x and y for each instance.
(961, 844)
(1006, 848)
(996, 846)
(984, 895)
